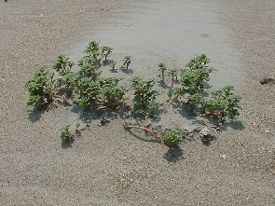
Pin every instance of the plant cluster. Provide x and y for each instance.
(83, 84)
(86, 86)
(42, 89)
(144, 98)
(194, 80)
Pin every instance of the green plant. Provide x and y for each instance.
(113, 96)
(174, 74)
(223, 104)
(88, 93)
(113, 67)
(88, 68)
(94, 53)
(105, 52)
(144, 98)
(197, 103)
(194, 79)
(39, 89)
(63, 65)
(171, 138)
(66, 136)
(162, 69)
(127, 62)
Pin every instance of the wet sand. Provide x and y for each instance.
(108, 166)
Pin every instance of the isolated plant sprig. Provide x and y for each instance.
(127, 62)
(171, 138)
(162, 69)
(66, 136)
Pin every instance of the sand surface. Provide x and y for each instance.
(108, 166)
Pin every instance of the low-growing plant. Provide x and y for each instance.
(113, 67)
(105, 52)
(162, 69)
(40, 89)
(66, 136)
(113, 96)
(171, 138)
(144, 98)
(194, 79)
(67, 80)
(88, 68)
(93, 51)
(127, 62)
(223, 104)
(63, 65)
(196, 103)
(174, 74)
(88, 93)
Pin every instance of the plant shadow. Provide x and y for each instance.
(127, 71)
(107, 62)
(66, 145)
(174, 154)
(207, 140)
(35, 115)
(163, 85)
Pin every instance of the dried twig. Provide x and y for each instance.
(145, 129)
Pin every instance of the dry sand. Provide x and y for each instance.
(108, 166)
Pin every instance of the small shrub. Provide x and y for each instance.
(39, 89)
(162, 69)
(223, 104)
(174, 74)
(88, 93)
(144, 98)
(113, 96)
(88, 68)
(105, 52)
(194, 79)
(171, 138)
(63, 65)
(197, 103)
(127, 62)
(113, 67)
(66, 136)
(93, 51)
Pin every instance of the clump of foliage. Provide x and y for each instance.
(113, 67)
(223, 104)
(100, 94)
(127, 62)
(171, 138)
(66, 136)
(162, 69)
(195, 77)
(88, 68)
(94, 53)
(105, 52)
(174, 74)
(63, 66)
(113, 95)
(144, 98)
(40, 89)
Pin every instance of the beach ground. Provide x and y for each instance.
(107, 165)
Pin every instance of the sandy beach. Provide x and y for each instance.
(107, 165)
